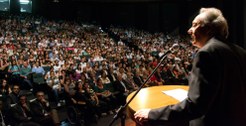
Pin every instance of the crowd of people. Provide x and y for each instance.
(81, 64)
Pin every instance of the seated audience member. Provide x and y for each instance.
(37, 68)
(94, 101)
(25, 72)
(3, 66)
(14, 71)
(4, 89)
(21, 113)
(123, 88)
(69, 86)
(42, 113)
(105, 95)
(12, 98)
(133, 86)
(106, 82)
(75, 76)
(137, 78)
(84, 102)
(111, 75)
(53, 82)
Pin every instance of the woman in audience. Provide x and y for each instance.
(3, 66)
(105, 95)
(106, 82)
(14, 71)
(86, 102)
(4, 90)
(52, 80)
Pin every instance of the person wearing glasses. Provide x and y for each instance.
(42, 112)
(21, 113)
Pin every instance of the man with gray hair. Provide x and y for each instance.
(217, 84)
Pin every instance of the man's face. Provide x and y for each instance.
(40, 96)
(197, 31)
(16, 89)
(23, 100)
(25, 64)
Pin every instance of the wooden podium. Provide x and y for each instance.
(151, 97)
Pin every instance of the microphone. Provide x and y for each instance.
(174, 48)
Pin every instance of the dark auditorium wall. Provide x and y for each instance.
(152, 15)
(233, 11)
(149, 16)
(244, 31)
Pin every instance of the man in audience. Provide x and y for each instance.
(21, 113)
(25, 73)
(42, 112)
(12, 98)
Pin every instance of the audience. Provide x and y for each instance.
(65, 52)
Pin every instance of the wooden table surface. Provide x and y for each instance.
(152, 97)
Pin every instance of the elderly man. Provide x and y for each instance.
(217, 92)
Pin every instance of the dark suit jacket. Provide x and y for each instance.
(18, 113)
(110, 76)
(119, 87)
(12, 98)
(39, 110)
(138, 80)
(217, 89)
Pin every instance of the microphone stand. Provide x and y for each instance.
(121, 111)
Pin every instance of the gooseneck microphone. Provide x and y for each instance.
(174, 48)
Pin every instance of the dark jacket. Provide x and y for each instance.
(217, 89)
(21, 114)
(40, 111)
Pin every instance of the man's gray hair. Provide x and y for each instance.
(216, 21)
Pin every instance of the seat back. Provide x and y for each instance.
(38, 78)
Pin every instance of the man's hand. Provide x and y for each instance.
(25, 106)
(141, 115)
(43, 100)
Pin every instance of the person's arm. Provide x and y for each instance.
(9, 69)
(78, 102)
(96, 98)
(99, 94)
(66, 88)
(22, 73)
(47, 75)
(42, 69)
(3, 66)
(17, 115)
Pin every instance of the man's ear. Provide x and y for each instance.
(209, 30)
